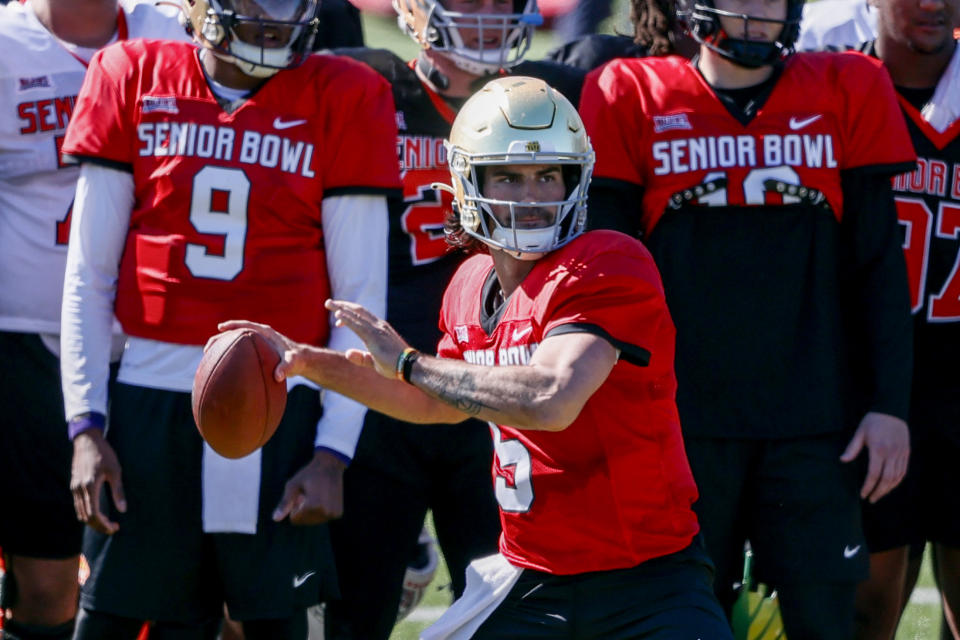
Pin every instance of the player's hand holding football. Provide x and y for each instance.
(888, 440)
(315, 494)
(94, 462)
(284, 346)
(384, 344)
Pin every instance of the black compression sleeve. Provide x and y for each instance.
(614, 204)
(878, 292)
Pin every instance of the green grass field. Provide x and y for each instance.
(922, 618)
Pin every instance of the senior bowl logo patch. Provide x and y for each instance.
(162, 104)
(668, 123)
(462, 334)
(37, 82)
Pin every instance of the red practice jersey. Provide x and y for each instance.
(765, 267)
(227, 214)
(828, 112)
(613, 489)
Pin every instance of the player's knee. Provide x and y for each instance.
(14, 630)
(42, 592)
(875, 598)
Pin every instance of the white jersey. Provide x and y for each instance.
(836, 23)
(40, 77)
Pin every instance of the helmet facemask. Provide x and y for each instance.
(525, 241)
(261, 37)
(702, 20)
(462, 36)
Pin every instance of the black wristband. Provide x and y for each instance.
(407, 367)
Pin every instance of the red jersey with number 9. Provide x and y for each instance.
(614, 488)
(227, 214)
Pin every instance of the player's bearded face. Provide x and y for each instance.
(757, 28)
(267, 29)
(479, 37)
(524, 184)
(923, 26)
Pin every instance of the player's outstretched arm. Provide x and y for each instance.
(546, 394)
(347, 374)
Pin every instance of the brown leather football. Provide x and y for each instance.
(237, 403)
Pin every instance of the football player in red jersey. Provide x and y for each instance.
(241, 177)
(762, 187)
(563, 343)
(916, 44)
(47, 45)
(397, 474)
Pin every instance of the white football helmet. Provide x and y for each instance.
(519, 120)
(259, 36)
(461, 35)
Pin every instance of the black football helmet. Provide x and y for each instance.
(259, 36)
(701, 19)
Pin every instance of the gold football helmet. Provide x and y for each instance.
(434, 27)
(259, 36)
(519, 121)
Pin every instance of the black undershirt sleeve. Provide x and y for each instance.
(878, 294)
(628, 352)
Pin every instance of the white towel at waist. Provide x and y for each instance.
(231, 492)
(489, 580)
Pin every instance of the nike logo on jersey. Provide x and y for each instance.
(286, 124)
(796, 125)
(299, 580)
(849, 552)
(519, 334)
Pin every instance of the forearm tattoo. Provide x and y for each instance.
(457, 393)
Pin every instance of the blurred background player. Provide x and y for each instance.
(916, 44)
(836, 23)
(340, 25)
(205, 191)
(47, 45)
(768, 209)
(399, 472)
(563, 343)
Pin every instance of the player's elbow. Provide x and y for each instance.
(553, 414)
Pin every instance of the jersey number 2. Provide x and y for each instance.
(218, 206)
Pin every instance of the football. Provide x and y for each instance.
(237, 403)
